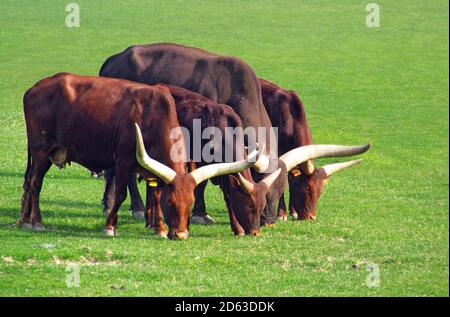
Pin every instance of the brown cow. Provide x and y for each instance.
(95, 121)
(306, 182)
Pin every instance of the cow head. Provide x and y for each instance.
(177, 195)
(306, 182)
(177, 198)
(248, 199)
(306, 185)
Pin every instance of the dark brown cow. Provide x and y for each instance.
(95, 121)
(227, 80)
(306, 182)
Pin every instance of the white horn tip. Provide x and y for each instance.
(330, 169)
(261, 164)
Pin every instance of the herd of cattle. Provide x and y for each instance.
(120, 123)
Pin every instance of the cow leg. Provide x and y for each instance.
(199, 215)
(137, 206)
(269, 213)
(159, 227)
(24, 220)
(120, 194)
(235, 226)
(108, 195)
(292, 210)
(149, 207)
(40, 166)
(282, 215)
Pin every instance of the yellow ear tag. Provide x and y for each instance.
(296, 172)
(152, 182)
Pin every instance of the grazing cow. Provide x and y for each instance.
(227, 80)
(94, 122)
(306, 182)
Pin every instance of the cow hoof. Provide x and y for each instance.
(38, 227)
(282, 218)
(294, 215)
(138, 215)
(24, 224)
(239, 234)
(108, 232)
(199, 220)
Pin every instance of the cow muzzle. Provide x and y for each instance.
(254, 232)
(307, 216)
(179, 235)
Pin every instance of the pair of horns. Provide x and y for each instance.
(249, 187)
(304, 155)
(167, 175)
(260, 166)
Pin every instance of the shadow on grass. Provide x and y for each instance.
(72, 204)
(55, 220)
(52, 215)
(95, 231)
(85, 209)
(54, 227)
(63, 230)
(61, 175)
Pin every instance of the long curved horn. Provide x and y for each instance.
(162, 171)
(269, 180)
(206, 172)
(245, 184)
(314, 151)
(335, 167)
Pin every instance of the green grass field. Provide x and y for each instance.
(388, 85)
